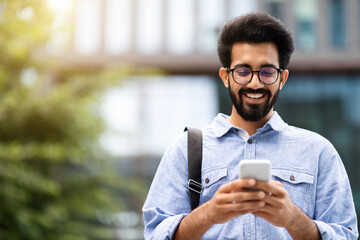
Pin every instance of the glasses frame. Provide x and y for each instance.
(279, 71)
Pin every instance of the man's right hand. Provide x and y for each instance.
(234, 199)
(231, 200)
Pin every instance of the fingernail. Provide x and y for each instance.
(252, 182)
(261, 194)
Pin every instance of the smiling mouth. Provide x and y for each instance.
(254, 95)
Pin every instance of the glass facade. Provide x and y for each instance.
(358, 21)
(239, 7)
(211, 18)
(180, 30)
(118, 26)
(305, 13)
(275, 8)
(337, 20)
(185, 27)
(144, 108)
(149, 26)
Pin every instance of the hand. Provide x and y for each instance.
(279, 210)
(234, 199)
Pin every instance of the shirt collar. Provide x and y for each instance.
(275, 122)
(221, 126)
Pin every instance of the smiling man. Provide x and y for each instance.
(309, 196)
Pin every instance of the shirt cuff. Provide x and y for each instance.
(329, 232)
(167, 228)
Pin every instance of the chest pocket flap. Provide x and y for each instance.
(213, 176)
(293, 176)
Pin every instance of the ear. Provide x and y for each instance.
(223, 73)
(283, 77)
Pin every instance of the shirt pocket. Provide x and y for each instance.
(211, 181)
(298, 184)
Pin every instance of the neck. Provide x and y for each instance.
(250, 127)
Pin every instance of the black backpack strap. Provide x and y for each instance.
(194, 165)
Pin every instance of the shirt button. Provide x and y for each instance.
(207, 180)
(249, 141)
(292, 178)
(350, 228)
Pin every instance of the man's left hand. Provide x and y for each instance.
(280, 211)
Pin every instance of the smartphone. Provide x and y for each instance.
(260, 169)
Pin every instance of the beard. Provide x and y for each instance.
(253, 112)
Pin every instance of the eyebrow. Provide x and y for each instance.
(249, 66)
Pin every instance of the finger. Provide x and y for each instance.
(248, 206)
(272, 187)
(236, 185)
(268, 209)
(273, 201)
(248, 196)
(238, 197)
(225, 198)
(278, 183)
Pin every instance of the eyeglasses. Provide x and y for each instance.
(243, 75)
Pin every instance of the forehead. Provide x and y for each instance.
(255, 55)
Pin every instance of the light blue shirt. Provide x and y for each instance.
(305, 163)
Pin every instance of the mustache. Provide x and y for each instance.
(250, 90)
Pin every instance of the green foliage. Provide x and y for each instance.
(54, 177)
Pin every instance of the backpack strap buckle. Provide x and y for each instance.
(195, 186)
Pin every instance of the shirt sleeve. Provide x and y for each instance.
(168, 202)
(335, 214)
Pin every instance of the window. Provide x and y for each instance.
(337, 23)
(87, 29)
(212, 17)
(306, 12)
(140, 111)
(358, 20)
(149, 26)
(275, 8)
(180, 28)
(239, 7)
(118, 26)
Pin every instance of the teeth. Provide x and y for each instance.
(254, 95)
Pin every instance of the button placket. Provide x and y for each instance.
(250, 149)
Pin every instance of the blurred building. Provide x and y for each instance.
(179, 37)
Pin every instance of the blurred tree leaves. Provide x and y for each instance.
(54, 177)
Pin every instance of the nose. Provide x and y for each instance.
(255, 82)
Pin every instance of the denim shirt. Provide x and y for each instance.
(305, 163)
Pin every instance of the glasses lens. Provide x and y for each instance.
(242, 75)
(268, 75)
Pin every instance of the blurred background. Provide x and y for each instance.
(93, 91)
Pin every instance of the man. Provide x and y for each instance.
(310, 195)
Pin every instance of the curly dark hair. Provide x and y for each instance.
(255, 28)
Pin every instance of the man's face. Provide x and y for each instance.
(254, 101)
